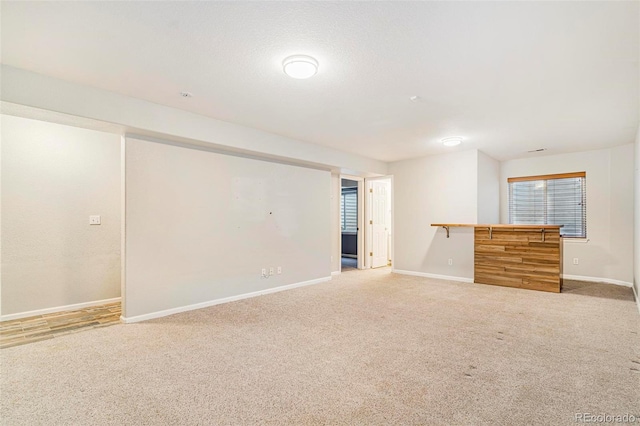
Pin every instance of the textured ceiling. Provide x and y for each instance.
(509, 77)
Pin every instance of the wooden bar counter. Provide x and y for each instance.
(523, 256)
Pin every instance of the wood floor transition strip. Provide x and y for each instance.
(42, 327)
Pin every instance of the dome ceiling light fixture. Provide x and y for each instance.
(454, 141)
(300, 66)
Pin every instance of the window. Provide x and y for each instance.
(349, 209)
(550, 200)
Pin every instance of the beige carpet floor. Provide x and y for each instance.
(369, 347)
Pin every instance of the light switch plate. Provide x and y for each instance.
(94, 220)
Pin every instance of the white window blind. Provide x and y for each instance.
(349, 209)
(550, 200)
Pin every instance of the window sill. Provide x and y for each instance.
(576, 240)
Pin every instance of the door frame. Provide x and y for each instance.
(361, 209)
(368, 214)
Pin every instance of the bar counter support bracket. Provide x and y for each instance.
(490, 228)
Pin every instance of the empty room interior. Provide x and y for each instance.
(319, 212)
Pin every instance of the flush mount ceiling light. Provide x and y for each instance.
(300, 66)
(451, 141)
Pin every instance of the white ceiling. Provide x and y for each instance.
(507, 76)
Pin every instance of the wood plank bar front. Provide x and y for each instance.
(522, 256)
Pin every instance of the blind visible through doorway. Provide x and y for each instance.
(349, 209)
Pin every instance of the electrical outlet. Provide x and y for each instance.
(279, 270)
(576, 261)
(450, 262)
(264, 272)
(94, 220)
(271, 271)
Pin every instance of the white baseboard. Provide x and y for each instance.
(334, 273)
(428, 275)
(195, 306)
(597, 280)
(45, 311)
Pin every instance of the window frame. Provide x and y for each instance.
(545, 178)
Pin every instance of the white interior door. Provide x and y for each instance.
(379, 223)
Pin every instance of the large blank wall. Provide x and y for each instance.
(435, 189)
(53, 178)
(202, 225)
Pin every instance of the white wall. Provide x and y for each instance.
(608, 253)
(636, 205)
(202, 225)
(488, 189)
(435, 189)
(53, 178)
(621, 209)
(636, 221)
(636, 218)
(335, 222)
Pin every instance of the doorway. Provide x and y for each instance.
(350, 206)
(366, 220)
